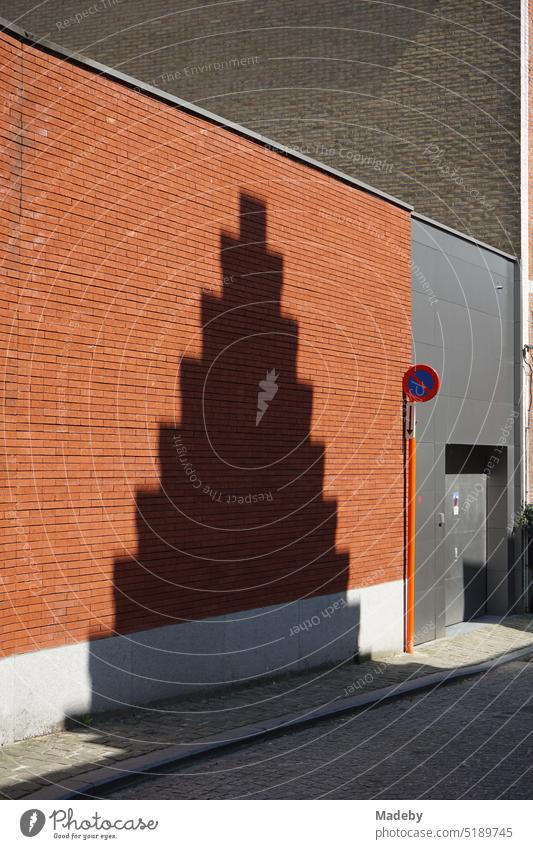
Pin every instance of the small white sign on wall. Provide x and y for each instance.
(455, 503)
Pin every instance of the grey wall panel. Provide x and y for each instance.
(426, 310)
(425, 460)
(467, 421)
(465, 323)
(442, 277)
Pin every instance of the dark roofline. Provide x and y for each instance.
(426, 220)
(152, 91)
(159, 94)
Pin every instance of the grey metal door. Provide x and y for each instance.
(465, 547)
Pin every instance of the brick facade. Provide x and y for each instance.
(420, 99)
(156, 269)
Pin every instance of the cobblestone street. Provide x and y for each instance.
(109, 742)
(467, 740)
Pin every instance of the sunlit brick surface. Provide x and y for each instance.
(139, 246)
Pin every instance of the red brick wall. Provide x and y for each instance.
(14, 557)
(156, 268)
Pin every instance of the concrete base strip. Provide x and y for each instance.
(130, 769)
(191, 658)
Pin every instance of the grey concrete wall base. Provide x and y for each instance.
(40, 690)
(90, 784)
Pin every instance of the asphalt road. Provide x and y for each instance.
(469, 740)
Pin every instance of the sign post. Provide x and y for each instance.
(420, 383)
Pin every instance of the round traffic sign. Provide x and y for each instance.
(421, 383)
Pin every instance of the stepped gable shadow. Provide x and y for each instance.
(239, 521)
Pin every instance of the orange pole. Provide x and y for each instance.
(411, 531)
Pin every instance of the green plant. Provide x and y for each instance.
(524, 519)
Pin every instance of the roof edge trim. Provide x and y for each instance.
(191, 108)
(426, 220)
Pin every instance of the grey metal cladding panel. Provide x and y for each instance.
(499, 464)
(468, 421)
(464, 326)
(478, 289)
(474, 331)
(455, 335)
(425, 465)
(497, 549)
(454, 246)
(425, 266)
(426, 583)
(424, 318)
(478, 354)
(425, 568)
(426, 507)
(425, 419)
(431, 354)
(497, 591)
(497, 506)
(441, 277)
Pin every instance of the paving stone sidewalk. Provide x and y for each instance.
(27, 766)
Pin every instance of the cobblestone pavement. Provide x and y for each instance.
(472, 739)
(109, 739)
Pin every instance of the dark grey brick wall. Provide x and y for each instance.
(420, 100)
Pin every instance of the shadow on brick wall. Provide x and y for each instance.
(239, 522)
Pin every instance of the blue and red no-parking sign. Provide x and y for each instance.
(421, 383)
